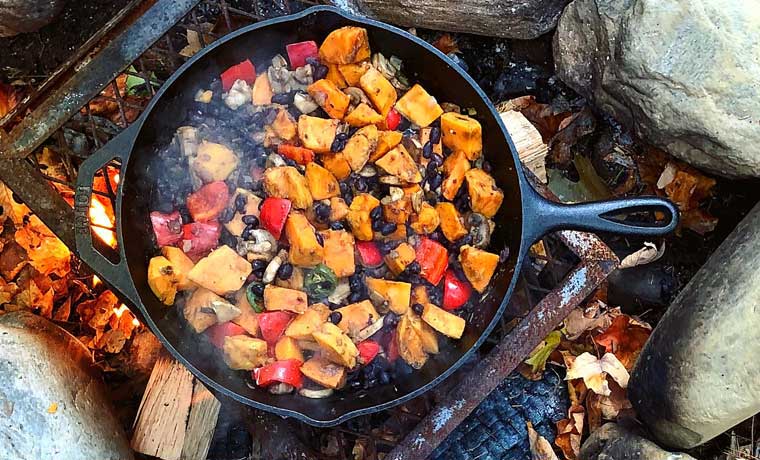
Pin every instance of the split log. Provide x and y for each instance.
(522, 19)
(177, 414)
(530, 147)
(18, 16)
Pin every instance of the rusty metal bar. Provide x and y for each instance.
(597, 262)
(93, 76)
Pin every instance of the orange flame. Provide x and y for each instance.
(95, 281)
(120, 310)
(116, 178)
(101, 223)
(135, 322)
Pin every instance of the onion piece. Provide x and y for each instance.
(315, 394)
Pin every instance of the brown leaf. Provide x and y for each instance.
(540, 449)
(594, 371)
(12, 260)
(9, 97)
(103, 310)
(123, 320)
(571, 130)
(544, 119)
(7, 291)
(595, 315)
(624, 339)
(610, 406)
(47, 254)
(111, 341)
(446, 44)
(570, 431)
(594, 412)
(698, 221)
(64, 311)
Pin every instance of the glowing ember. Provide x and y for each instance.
(101, 223)
(135, 322)
(118, 311)
(95, 281)
(116, 178)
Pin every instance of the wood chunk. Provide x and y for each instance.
(530, 147)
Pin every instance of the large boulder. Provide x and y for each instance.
(697, 375)
(18, 16)
(52, 403)
(684, 74)
(613, 442)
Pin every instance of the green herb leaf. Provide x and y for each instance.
(320, 282)
(256, 302)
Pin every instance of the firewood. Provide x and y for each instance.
(530, 147)
(177, 414)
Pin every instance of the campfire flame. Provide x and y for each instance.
(118, 311)
(95, 281)
(102, 223)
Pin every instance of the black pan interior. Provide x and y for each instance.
(259, 43)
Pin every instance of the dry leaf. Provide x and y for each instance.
(610, 406)
(64, 311)
(9, 97)
(594, 372)
(624, 339)
(12, 260)
(570, 431)
(544, 119)
(595, 315)
(111, 341)
(594, 411)
(538, 357)
(667, 176)
(646, 255)
(7, 291)
(446, 43)
(193, 44)
(540, 449)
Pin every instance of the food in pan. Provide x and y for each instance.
(321, 221)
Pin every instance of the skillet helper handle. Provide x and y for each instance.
(598, 216)
(116, 275)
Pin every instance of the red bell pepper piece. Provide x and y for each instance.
(198, 238)
(167, 227)
(369, 254)
(298, 52)
(368, 350)
(273, 324)
(286, 371)
(218, 332)
(209, 201)
(243, 71)
(392, 120)
(274, 213)
(455, 291)
(392, 349)
(300, 155)
(433, 259)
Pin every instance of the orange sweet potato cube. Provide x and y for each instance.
(346, 45)
(329, 97)
(419, 107)
(461, 132)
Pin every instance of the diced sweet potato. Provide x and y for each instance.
(339, 252)
(442, 321)
(284, 126)
(214, 162)
(223, 271)
(197, 309)
(478, 266)
(334, 75)
(420, 295)
(359, 147)
(461, 132)
(356, 317)
(363, 115)
(338, 209)
(398, 211)
(352, 73)
(236, 225)
(428, 337)
(379, 90)
(399, 258)
(305, 250)
(330, 98)
(181, 265)
(336, 345)
(287, 348)
(386, 140)
(455, 166)
(419, 107)
(409, 344)
(316, 133)
(248, 319)
(283, 299)
(325, 373)
(287, 182)
(395, 294)
(262, 90)
(162, 279)
(244, 353)
(427, 220)
(302, 327)
(399, 163)
(337, 164)
(346, 45)
(322, 183)
(485, 196)
(358, 216)
(451, 222)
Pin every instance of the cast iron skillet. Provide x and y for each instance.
(523, 218)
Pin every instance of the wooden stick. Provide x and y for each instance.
(527, 139)
(177, 414)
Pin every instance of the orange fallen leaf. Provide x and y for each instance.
(570, 431)
(9, 97)
(624, 339)
(540, 449)
(446, 44)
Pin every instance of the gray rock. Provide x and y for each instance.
(683, 74)
(612, 442)
(19, 16)
(697, 376)
(52, 403)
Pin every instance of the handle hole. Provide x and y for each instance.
(649, 216)
(102, 212)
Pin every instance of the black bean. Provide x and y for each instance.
(427, 150)
(322, 211)
(413, 268)
(418, 308)
(388, 228)
(285, 271)
(487, 166)
(370, 383)
(290, 162)
(404, 124)
(385, 378)
(336, 226)
(312, 60)
(437, 160)
(391, 320)
(320, 239)
(355, 384)
(355, 297)
(282, 98)
(377, 225)
(258, 289)
(504, 254)
(228, 240)
(335, 317)
(246, 233)
(435, 181)
(240, 203)
(258, 264)
(343, 187)
(433, 200)
(435, 134)
(226, 215)
(251, 220)
(352, 130)
(376, 213)
(430, 169)
(269, 115)
(355, 282)
(339, 143)
(319, 71)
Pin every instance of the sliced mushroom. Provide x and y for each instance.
(224, 311)
(281, 388)
(315, 394)
(304, 75)
(239, 94)
(304, 103)
(274, 160)
(188, 140)
(274, 265)
(357, 96)
(261, 246)
(480, 230)
(370, 330)
(341, 292)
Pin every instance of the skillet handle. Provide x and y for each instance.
(116, 275)
(597, 216)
